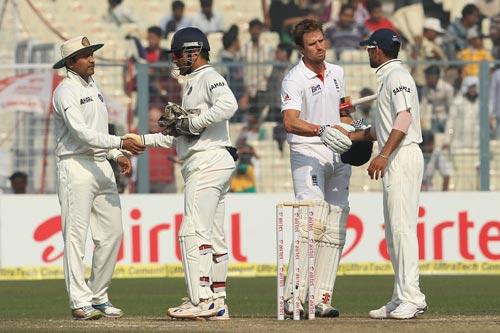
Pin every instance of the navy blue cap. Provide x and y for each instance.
(189, 38)
(385, 39)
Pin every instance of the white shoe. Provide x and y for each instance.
(384, 311)
(86, 313)
(108, 310)
(407, 310)
(221, 310)
(188, 310)
(289, 309)
(326, 311)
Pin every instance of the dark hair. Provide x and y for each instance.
(393, 52)
(177, 4)
(155, 30)
(469, 10)
(18, 174)
(205, 55)
(427, 136)
(205, 3)
(366, 92)
(285, 47)
(373, 4)
(304, 27)
(255, 23)
(432, 70)
(230, 36)
(345, 7)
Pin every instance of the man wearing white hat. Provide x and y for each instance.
(427, 48)
(86, 184)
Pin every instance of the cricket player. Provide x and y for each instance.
(400, 163)
(202, 141)
(86, 184)
(310, 100)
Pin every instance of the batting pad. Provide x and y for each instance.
(219, 274)
(329, 246)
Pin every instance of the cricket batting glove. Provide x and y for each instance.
(334, 139)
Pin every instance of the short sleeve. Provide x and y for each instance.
(291, 95)
(402, 91)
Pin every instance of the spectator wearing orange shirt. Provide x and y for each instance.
(377, 20)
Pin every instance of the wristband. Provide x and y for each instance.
(383, 156)
(321, 129)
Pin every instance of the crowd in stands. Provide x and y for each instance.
(443, 57)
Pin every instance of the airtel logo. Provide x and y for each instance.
(162, 232)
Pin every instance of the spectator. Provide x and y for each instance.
(19, 182)
(474, 52)
(435, 160)
(284, 15)
(233, 69)
(495, 36)
(255, 53)
(280, 68)
(279, 134)
(437, 98)
(360, 12)
(244, 179)
(427, 48)
(163, 87)
(119, 14)
(366, 110)
(207, 20)
(377, 20)
(346, 33)
(161, 160)
(463, 123)
(455, 38)
(495, 103)
(176, 21)
(252, 130)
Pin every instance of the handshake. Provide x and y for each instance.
(133, 144)
(175, 121)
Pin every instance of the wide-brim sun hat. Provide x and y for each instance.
(73, 46)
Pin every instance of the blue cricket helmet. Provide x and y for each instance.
(187, 38)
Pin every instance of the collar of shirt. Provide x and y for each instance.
(198, 70)
(386, 67)
(77, 78)
(310, 74)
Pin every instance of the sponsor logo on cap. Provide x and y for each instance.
(85, 41)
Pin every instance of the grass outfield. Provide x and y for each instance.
(456, 303)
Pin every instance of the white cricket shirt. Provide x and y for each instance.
(317, 100)
(81, 120)
(208, 91)
(396, 92)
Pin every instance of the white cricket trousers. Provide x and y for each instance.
(88, 197)
(401, 183)
(206, 175)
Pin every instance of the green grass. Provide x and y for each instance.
(253, 297)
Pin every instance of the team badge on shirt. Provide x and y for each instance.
(215, 85)
(287, 98)
(86, 100)
(316, 89)
(401, 88)
(337, 86)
